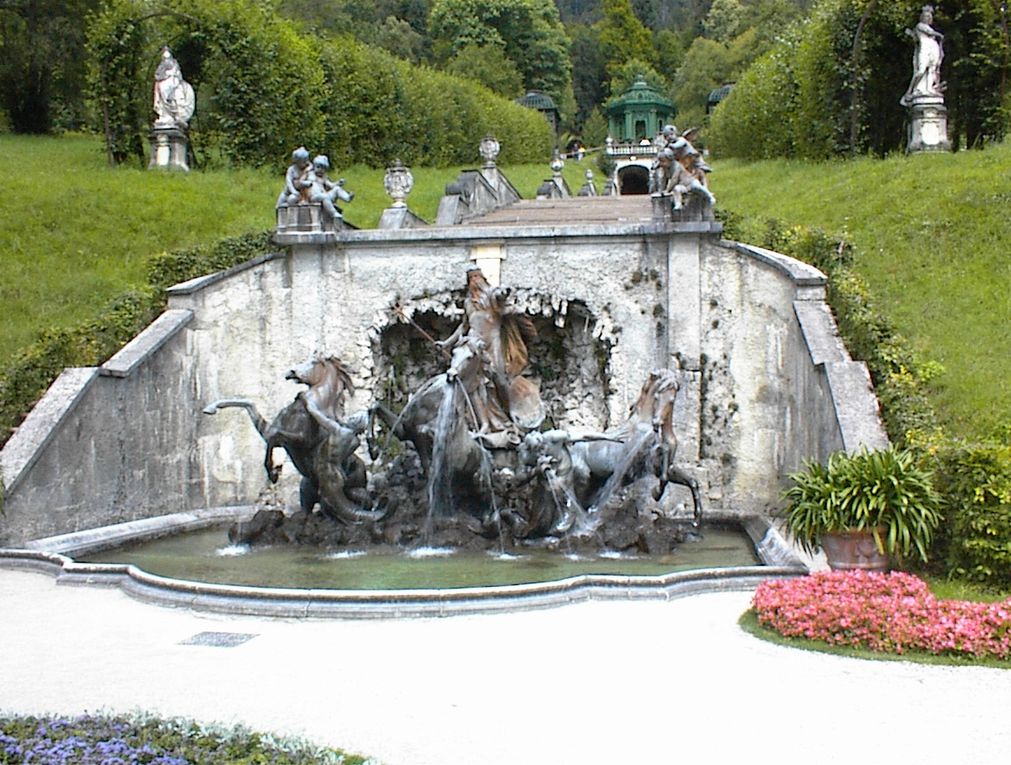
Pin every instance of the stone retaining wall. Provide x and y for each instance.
(766, 381)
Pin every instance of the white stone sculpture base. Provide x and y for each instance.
(168, 149)
(928, 125)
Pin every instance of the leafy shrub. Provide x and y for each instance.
(893, 612)
(975, 483)
(104, 740)
(883, 489)
(750, 122)
(973, 479)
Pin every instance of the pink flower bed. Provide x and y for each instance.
(891, 612)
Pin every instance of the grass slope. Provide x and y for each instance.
(932, 235)
(69, 245)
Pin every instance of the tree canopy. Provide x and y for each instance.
(529, 31)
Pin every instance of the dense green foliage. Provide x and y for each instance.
(882, 490)
(52, 740)
(263, 88)
(975, 481)
(831, 84)
(41, 78)
(529, 31)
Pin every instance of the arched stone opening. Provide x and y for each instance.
(633, 179)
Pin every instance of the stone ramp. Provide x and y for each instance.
(570, 211)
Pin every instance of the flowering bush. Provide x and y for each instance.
(892, 612)
(101, 740)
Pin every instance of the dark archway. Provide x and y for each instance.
(633, 179)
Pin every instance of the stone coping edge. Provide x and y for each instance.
(470, 231)
(198, 283)
(144, 345)
(41, 425)
(281, 602)
(802, 274)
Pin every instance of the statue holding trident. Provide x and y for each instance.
(927, 59)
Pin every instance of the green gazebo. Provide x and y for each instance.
(640, 112)
(542, 102)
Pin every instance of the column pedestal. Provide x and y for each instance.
(928, 125)
(168, 149)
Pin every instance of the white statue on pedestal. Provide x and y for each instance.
(173, 96)
(926, 59)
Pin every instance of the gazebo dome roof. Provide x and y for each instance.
(534, 99)
(640, 94)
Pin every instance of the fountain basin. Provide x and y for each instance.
(62, 556)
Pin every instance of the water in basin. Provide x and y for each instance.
(207, 556)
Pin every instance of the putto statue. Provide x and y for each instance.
(927, 59)
(325, 191)
(297, 179)
(306, 186)
(174, 101)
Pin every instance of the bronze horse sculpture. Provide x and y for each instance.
(588, 469)
(319, 444)
(442, 422)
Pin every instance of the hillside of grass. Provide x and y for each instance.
(932, 237)
(78, 233)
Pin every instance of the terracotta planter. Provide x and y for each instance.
(848, 550)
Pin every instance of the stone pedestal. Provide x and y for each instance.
(307, 218)
(168, 148)
(928, 125)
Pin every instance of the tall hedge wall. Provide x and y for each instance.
(263, 88)
(832, 83)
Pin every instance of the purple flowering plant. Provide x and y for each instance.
(121, 740)
(891, 612)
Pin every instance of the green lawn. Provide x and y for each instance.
(81, 238)
(932, 235)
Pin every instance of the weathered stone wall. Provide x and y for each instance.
(748, 328)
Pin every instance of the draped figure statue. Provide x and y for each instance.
(927, 57)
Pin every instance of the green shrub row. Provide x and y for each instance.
(973, 478)
(264, 88)
(31, 371)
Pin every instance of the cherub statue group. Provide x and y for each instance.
(307, 182)
(679, 169)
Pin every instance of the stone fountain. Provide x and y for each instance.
(481, 468)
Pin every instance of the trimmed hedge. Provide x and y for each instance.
(831, 84)
(264, 88)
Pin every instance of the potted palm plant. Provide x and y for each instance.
(863, 508)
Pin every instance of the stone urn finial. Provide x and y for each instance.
(398, 183)
(557, 163)
(489, 149)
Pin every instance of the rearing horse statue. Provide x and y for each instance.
(319, 444)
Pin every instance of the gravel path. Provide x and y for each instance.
(638, 682)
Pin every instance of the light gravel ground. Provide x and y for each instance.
(642, 682)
